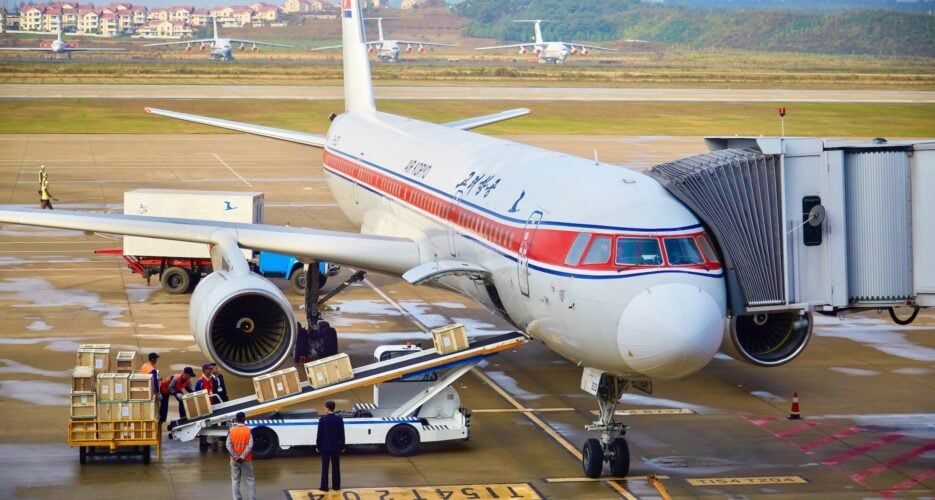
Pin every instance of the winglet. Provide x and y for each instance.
(358, 88)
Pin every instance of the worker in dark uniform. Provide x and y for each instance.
(175, 386)
(220, 387)
(330, 443)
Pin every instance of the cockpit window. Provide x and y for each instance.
(599, 252)
(638, 252)
(707, 248)
(683, 251)
(577, 248)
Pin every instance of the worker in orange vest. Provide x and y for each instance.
(206, 383)
(149, 368)
(176, 385)
(240, 448)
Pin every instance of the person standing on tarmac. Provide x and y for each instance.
(45, 196)
(220, 388)
(330, 443)
(240, 448)
(206, 383)
(176, 385)
(149, 368)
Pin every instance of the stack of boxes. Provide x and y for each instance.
(111, 405)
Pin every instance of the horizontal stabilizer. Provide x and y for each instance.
(480, 121)
(440, 269)
(276, 133)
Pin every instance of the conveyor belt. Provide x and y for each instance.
(364, 376)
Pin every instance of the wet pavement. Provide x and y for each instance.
(866, 385)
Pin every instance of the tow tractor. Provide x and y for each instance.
(413, 403)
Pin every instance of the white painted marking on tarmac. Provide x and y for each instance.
(245, 181)
(641, 400)
(857, 372)
(38, 392)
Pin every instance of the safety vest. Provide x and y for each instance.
(44, 193)
(240, 438)
(207, 384)
(175, 381)
(147, 368)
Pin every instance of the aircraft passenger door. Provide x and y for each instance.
(525, 243)
(452, 219)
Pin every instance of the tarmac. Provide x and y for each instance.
(866, 385)
(313, 92)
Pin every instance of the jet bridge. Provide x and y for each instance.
(807, 224)
(410, 365)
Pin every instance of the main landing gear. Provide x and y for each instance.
(612, 447)
(320, 339)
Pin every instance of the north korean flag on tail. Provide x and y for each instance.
(346, 8)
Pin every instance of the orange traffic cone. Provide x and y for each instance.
(794, 413)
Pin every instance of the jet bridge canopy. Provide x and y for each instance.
(807, 223)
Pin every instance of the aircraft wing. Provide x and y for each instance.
(594, 47)
(82, 49)
(275, 133)
(378, 253)
(183, 42)
(327, 48)
(511, 46)
(480, 121)
(254, 42)
(27, 49)
(413, 42)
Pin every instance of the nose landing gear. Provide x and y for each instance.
(612, 447)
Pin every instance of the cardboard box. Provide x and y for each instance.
(113, 387)
(126, 362)
(196, 404)
(277, 384)
(83, 379)
(328, 371)
(449, 339)
(141, 387)
(83, 405)
(97, 358)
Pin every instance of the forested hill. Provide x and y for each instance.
(875, 32)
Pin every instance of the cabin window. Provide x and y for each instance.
(599, 251)
(707, 248)
(638, 252)
(577, 249)
(683, 251)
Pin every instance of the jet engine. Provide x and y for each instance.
(421, 49)
(409, 49)
(768, 339)
(372, 49)
(255, 49)
(204, 47)
(538, 51)
(585, 52)
(188, 48)
(574, 51)
(243, 322)
(72, 45)
(523, 51)
(243, 48)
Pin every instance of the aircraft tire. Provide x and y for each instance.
(83, 455)
(146, 455)
(592, 458)
(620, 463)
(175, 280)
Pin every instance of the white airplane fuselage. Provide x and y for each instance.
(516, 211)
(388, 51)
(221, 49)
(552, 53)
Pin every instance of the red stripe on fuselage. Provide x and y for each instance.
(549, 246)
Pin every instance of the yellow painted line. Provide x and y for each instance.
(523, 491)
(651, 411)
(523, 410)
(623, 491)
(657, 483)
(588, 479)
(530, 415)
(743, 481)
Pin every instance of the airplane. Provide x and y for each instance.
(59, 46)
(548, 52)
(600, 263)
(388, 50)
(221, 48)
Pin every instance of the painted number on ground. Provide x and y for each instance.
(742, 481)
(461, 492)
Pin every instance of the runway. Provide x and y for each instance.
(306, 92)
(866, 386)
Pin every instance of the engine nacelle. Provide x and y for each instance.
(72, 45)
(585, 52)
(523, 51)
(204, 47)
(768, 339)
(409, 49)
(243, 48)
(244, 323)
(372, 49)
(421, 49)
(538, 51)
(188, 48)
(574, 51)
(256, 49)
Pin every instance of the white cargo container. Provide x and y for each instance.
(227, 206)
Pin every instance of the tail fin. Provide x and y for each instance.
(60, 32)
(538, 32)
(215, 19)
(380, 27)
(358, 88)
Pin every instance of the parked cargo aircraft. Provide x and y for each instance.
(600, 263)
(221, 48)
(548, 52)
(59, 46)
(388, 50)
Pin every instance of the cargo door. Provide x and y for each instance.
(525, 243)
(452, 220)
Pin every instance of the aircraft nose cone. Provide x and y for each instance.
(670, 331)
